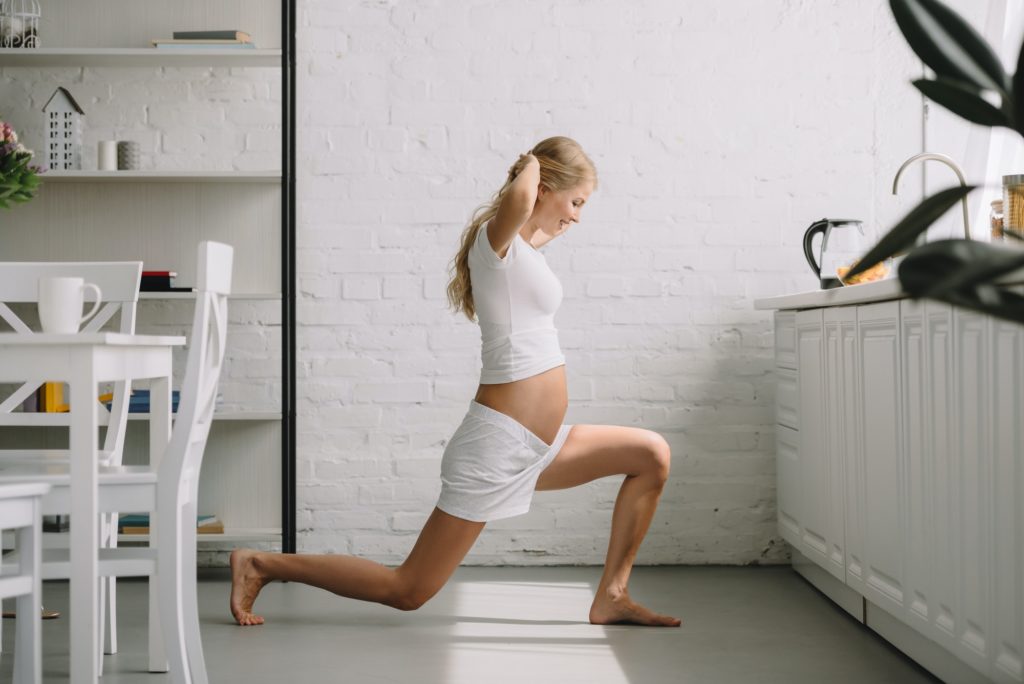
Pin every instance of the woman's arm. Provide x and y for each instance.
(516, 205)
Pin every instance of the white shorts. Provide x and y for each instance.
(491, 464)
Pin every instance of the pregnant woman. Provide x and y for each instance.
(512, 440)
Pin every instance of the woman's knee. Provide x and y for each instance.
(658, 456)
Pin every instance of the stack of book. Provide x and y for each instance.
(138, 523)
(49, 398)
(160, 281)
(204, 40)
(138, 400)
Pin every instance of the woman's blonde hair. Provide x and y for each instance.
(563, 166)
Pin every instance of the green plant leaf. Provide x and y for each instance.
(940, 267)
(948, 44)
(910, 226)
(964, 100)
(990, 300)
(1018, 93)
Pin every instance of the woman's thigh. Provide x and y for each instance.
(591, 452)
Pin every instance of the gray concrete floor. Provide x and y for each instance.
(515, 625)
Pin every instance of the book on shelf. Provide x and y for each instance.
(49, 398)
(216, 34)
(157, 279)
(209, 44)
(53, 398)
(56, 523)
(138, 400)
(160, 281)
(138, 523)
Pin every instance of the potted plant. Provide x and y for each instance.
(961, 272)
(18, 176)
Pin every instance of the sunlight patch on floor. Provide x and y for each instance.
(523, 631)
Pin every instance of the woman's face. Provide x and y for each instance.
(557, 209)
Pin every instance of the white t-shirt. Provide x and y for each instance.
(516, 299)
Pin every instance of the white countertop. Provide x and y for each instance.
(877, 291)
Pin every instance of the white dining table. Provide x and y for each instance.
(83, 361)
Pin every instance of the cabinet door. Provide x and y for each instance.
(785, 339)
(972, 459)
(787, 460)
(852, 462)
(880, 457)
(917, 386)
(814, 508)
(943, 481)
(788, 485)
(840, 324)
(1008, 503)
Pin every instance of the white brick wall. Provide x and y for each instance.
(720, 131)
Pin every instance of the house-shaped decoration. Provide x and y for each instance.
(63, 132)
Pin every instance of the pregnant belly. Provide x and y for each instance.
(538, 402)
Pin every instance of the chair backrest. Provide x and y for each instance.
(179, 468)
(119, 283)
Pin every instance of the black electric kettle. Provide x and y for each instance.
(842, 244)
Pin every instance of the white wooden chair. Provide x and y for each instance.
(119, 283)
(21, 510)
(170, 489)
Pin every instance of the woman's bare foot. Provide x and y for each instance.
(246, 582)
(612, 608)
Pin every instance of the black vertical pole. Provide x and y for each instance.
(288, 422)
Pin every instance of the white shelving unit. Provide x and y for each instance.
(138, 57)
(160, 176)
(159, 215)
(230, 535)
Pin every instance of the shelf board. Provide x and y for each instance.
(226, 415)
(63, 419)
(136, 57)
(259, 296)
(160, 177)
(231, 534)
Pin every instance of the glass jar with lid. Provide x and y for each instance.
(1013, 202)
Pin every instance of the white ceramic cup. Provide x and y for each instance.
(60, 304)
(106, 155)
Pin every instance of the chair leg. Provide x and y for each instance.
(190, 600)
(112, 590)
(111, 616)
(172, 622)
(28, 632)
(102, 622)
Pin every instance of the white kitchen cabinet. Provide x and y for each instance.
(917, 457)
(787, 469)
(239, 191)
(878, 461)
(904, 466)
(849, 497)
(971, 382)
(1007, 627)
(839, 329)
(812, 452)
(788, 485)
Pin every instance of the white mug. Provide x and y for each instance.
(60, 304)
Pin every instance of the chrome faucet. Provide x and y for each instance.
(948, 161)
